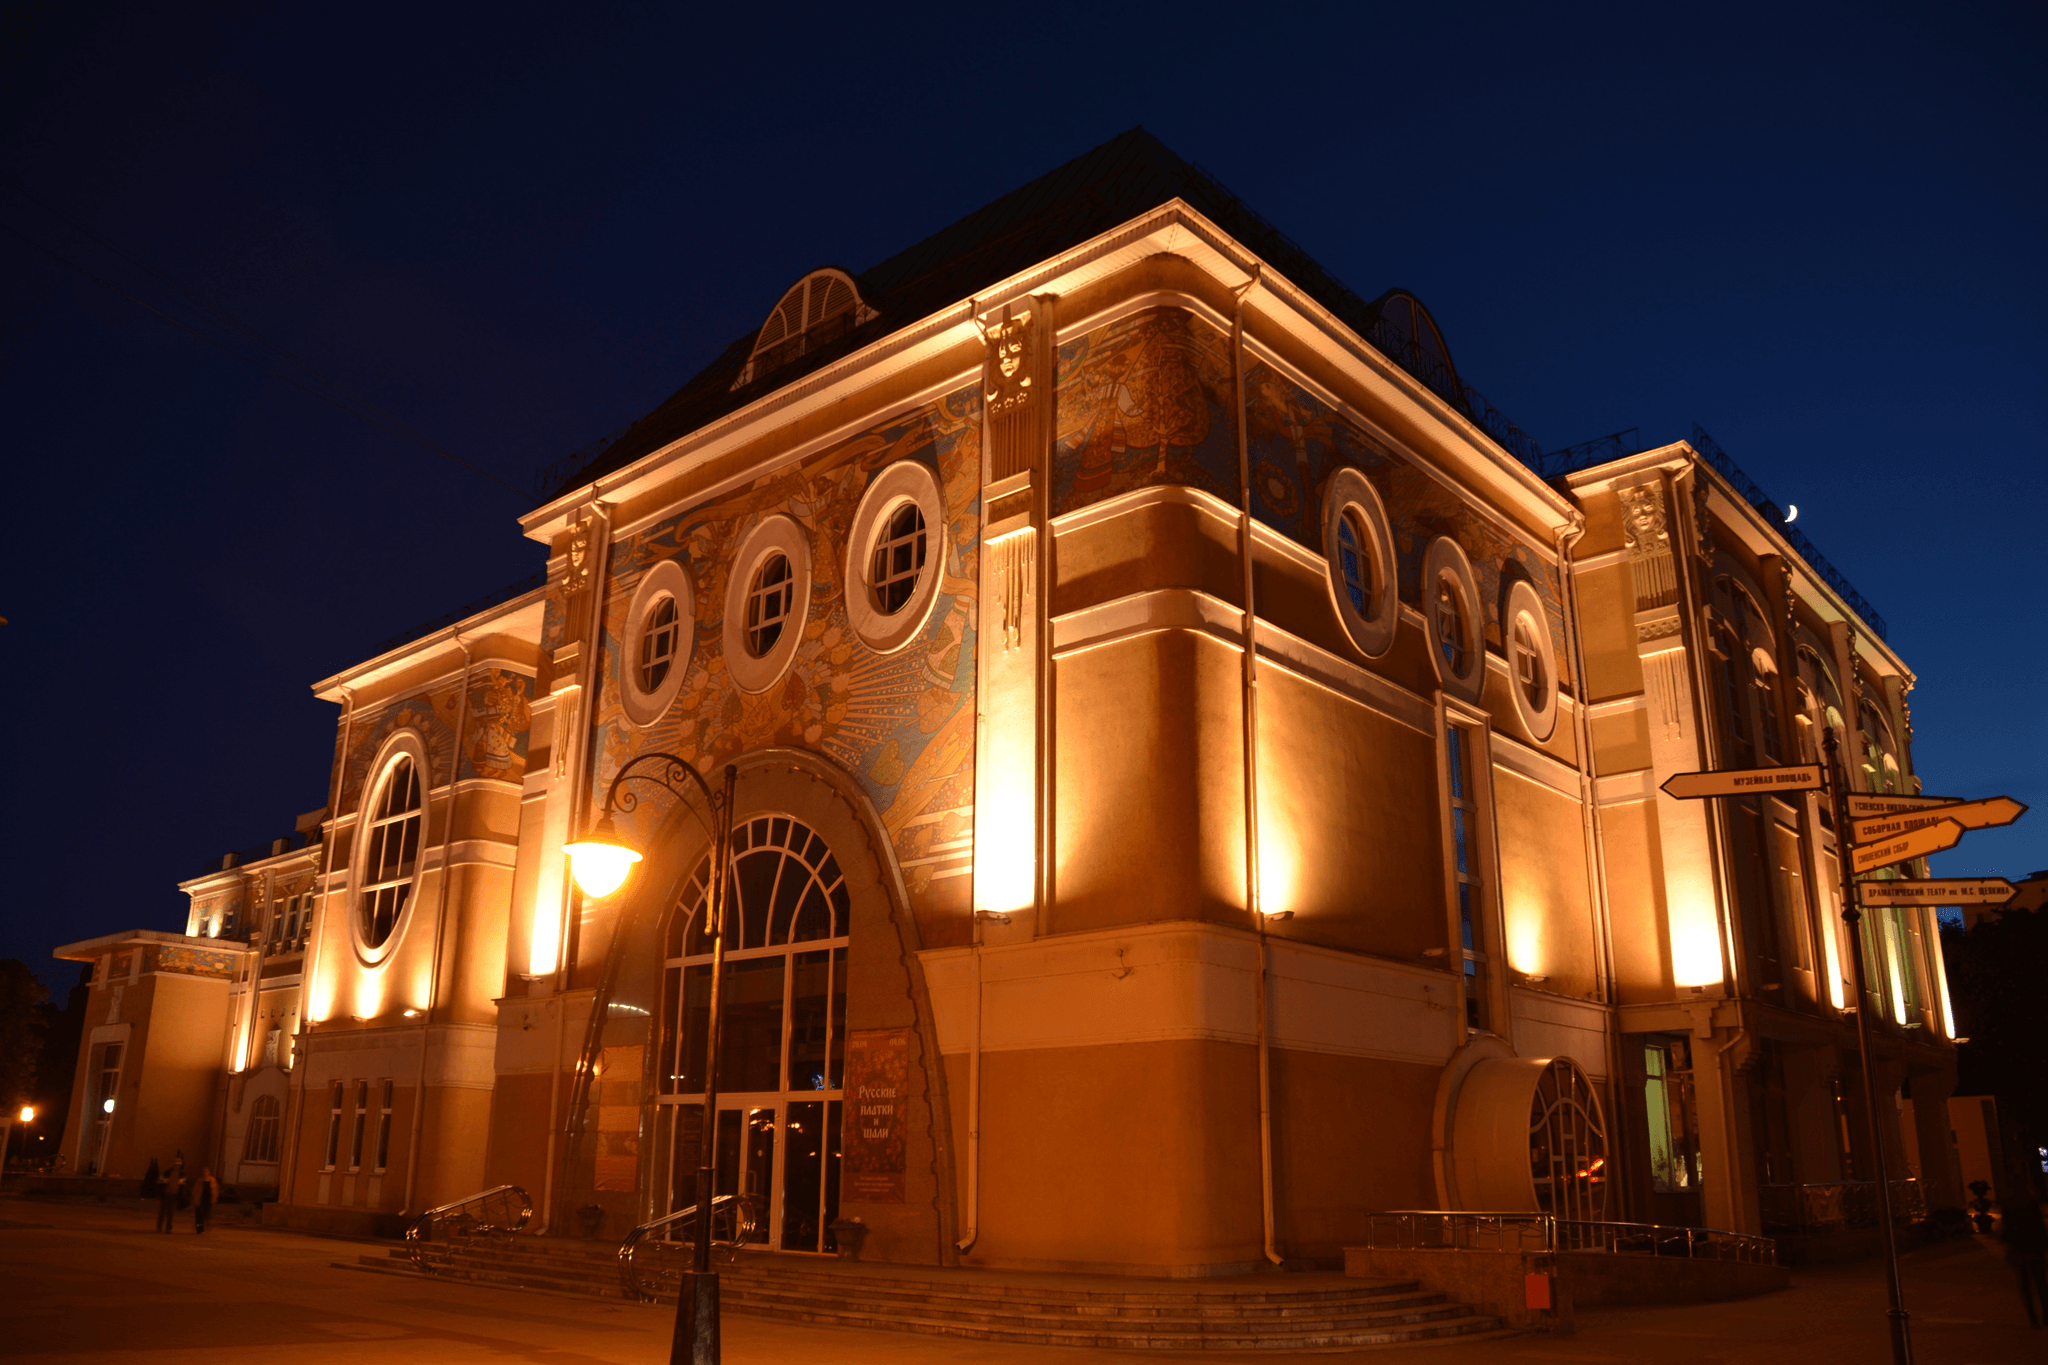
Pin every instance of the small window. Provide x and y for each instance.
(333, 1125)
(768, 604)
(384, 1127)
(1529, 664)
(393, 847)
(898, 559)
(263, 1122)
(1465, 866)
(658, 645)
(1354, 565)
(1451, 628)
(355, 1140)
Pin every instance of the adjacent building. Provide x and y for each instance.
(1198, 784)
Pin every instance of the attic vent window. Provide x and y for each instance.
(818, 309)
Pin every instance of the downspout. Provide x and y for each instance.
(972, 1233)
(309, 956)
(419, 1099)
(1250, 712)
(1596, 832)
(575, 730)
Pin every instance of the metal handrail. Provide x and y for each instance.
(505, 1208)
(742, 1211)
(1473, 1230)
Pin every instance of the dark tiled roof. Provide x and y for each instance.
(1091, 194)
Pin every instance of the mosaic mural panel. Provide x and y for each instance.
(1144, 400)
(903, 723)
(494, 739)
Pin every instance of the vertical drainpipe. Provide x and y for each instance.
(972, 1232)
(309, 955)
(575, 730)
(1595, 832)
(419, 1094)
(1250, 712)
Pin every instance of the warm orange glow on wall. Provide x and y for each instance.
(1695, 931)
(1279, 868)
(1525, 941)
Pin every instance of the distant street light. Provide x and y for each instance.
(601, 861)
(28, 1116)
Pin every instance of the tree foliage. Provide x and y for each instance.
(22, 1026)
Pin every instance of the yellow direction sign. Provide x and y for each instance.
(1985, 814)
(1915, 844)
(1938, 891)
(1863, 807)
(1743, 782)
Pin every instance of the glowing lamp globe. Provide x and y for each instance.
(28, 1113)
(600, 860)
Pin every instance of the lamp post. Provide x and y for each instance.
(28, 1116)
(601, 861)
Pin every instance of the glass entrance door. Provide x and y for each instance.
(781, 1062)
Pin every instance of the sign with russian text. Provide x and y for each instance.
(1862, 807)
(1938, 891)
(877, 1110)
(1915, 844)
(1743, 782)
(1986, 814)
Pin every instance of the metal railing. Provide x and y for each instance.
(1840, 1204)
(1724, 464)
(1460, 1230)
(651, 1259)
(505, 1209)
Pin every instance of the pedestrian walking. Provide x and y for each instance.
(167, 1200)
(204, 1191)
(2026, 1248)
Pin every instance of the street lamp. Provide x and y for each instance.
(28, 1116)
(601, 861)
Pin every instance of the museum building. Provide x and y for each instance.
(1197, 785)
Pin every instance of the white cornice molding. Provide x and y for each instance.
(520, 617)
(1174, 228)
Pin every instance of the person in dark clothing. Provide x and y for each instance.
(151, 1178)
(167, 1200)
(204, 1191)
(2026, 1247)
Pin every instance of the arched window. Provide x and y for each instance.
(818, 309)
(393, 848)
(1880, 750)
(658, 644)
(1404, 330)
(1451, 630)
(898, 559)
(782, 1047)
(263, 1127)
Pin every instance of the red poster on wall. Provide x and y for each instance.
(877, 1107)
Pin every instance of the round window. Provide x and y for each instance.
(1451, 599)
(893, 552)
(1532, 659)
(767, 599)
(391, 850)
(660, 634)
(1359, 546)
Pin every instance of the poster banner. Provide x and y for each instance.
(878, 1105)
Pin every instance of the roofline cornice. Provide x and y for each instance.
(1175, 228)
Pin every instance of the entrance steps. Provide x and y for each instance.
(1290, 1312)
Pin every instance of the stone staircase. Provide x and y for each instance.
(1291, 1312)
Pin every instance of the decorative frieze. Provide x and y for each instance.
(1647, 536)
(1016, 386)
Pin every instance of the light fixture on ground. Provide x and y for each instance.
(27, 1116)
(601, 861)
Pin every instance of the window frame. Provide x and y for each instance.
(334, 1106)
(408, 743)
(1350, 495)
(259, 1144)
(668, 581)
(383, 1140)
(1524, 609)
(905, 482)
(1479, 969)
(772, 535)
(1445, 564)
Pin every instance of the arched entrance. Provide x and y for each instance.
(781, 1065)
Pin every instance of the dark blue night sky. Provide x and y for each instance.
(1818, 233)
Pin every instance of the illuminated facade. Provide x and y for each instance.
(1198, 786)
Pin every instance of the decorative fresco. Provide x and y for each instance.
(190, 961)
(1296, 442)
(495, 731)
(1148, 399)
(1144, 400)
(902, 723)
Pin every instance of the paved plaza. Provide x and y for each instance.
(85, 1283)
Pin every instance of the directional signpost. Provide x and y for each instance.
(1886, 830)
(1939, 891)
(1986, 814)
(1744, 782)
(1915, 843)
